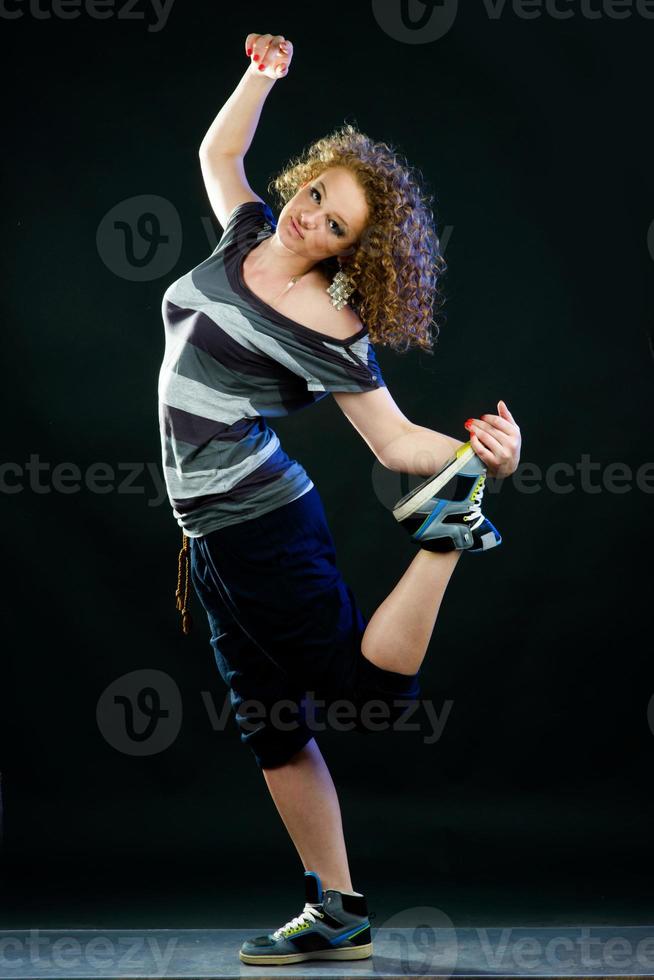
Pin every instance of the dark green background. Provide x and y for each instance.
(536, 804)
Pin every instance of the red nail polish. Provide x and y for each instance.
(256, 57)
(468, 423)
(261, 66)
(249, 52)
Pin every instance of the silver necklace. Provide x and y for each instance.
(290, 283)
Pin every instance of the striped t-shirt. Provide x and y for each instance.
(232, 361)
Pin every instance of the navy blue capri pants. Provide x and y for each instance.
(283, 623)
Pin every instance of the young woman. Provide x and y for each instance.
(282, 312)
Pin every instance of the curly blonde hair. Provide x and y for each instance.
(397, 263)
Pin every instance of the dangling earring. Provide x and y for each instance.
(342, 286)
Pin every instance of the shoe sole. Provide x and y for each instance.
(411, 501)
(353, 953)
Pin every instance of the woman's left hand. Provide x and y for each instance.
(496, 439)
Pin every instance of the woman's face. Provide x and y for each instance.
(329, 212)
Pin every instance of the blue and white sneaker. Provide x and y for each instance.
(444, 512)
(332, 926)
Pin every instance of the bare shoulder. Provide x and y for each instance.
(339, 324)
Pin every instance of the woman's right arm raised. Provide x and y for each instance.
(229, 137)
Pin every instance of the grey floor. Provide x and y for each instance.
(424, 948)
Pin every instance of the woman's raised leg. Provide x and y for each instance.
(398, 633)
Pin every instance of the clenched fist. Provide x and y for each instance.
(270, 54)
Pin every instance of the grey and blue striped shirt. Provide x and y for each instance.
(232, 361)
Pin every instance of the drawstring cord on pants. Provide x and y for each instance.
(182, 603)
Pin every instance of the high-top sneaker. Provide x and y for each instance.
(332, 926)
(444, 512)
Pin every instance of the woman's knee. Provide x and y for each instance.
(273, 749)
(381, 696)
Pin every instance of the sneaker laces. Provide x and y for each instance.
(475, 514)
(308, 916)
